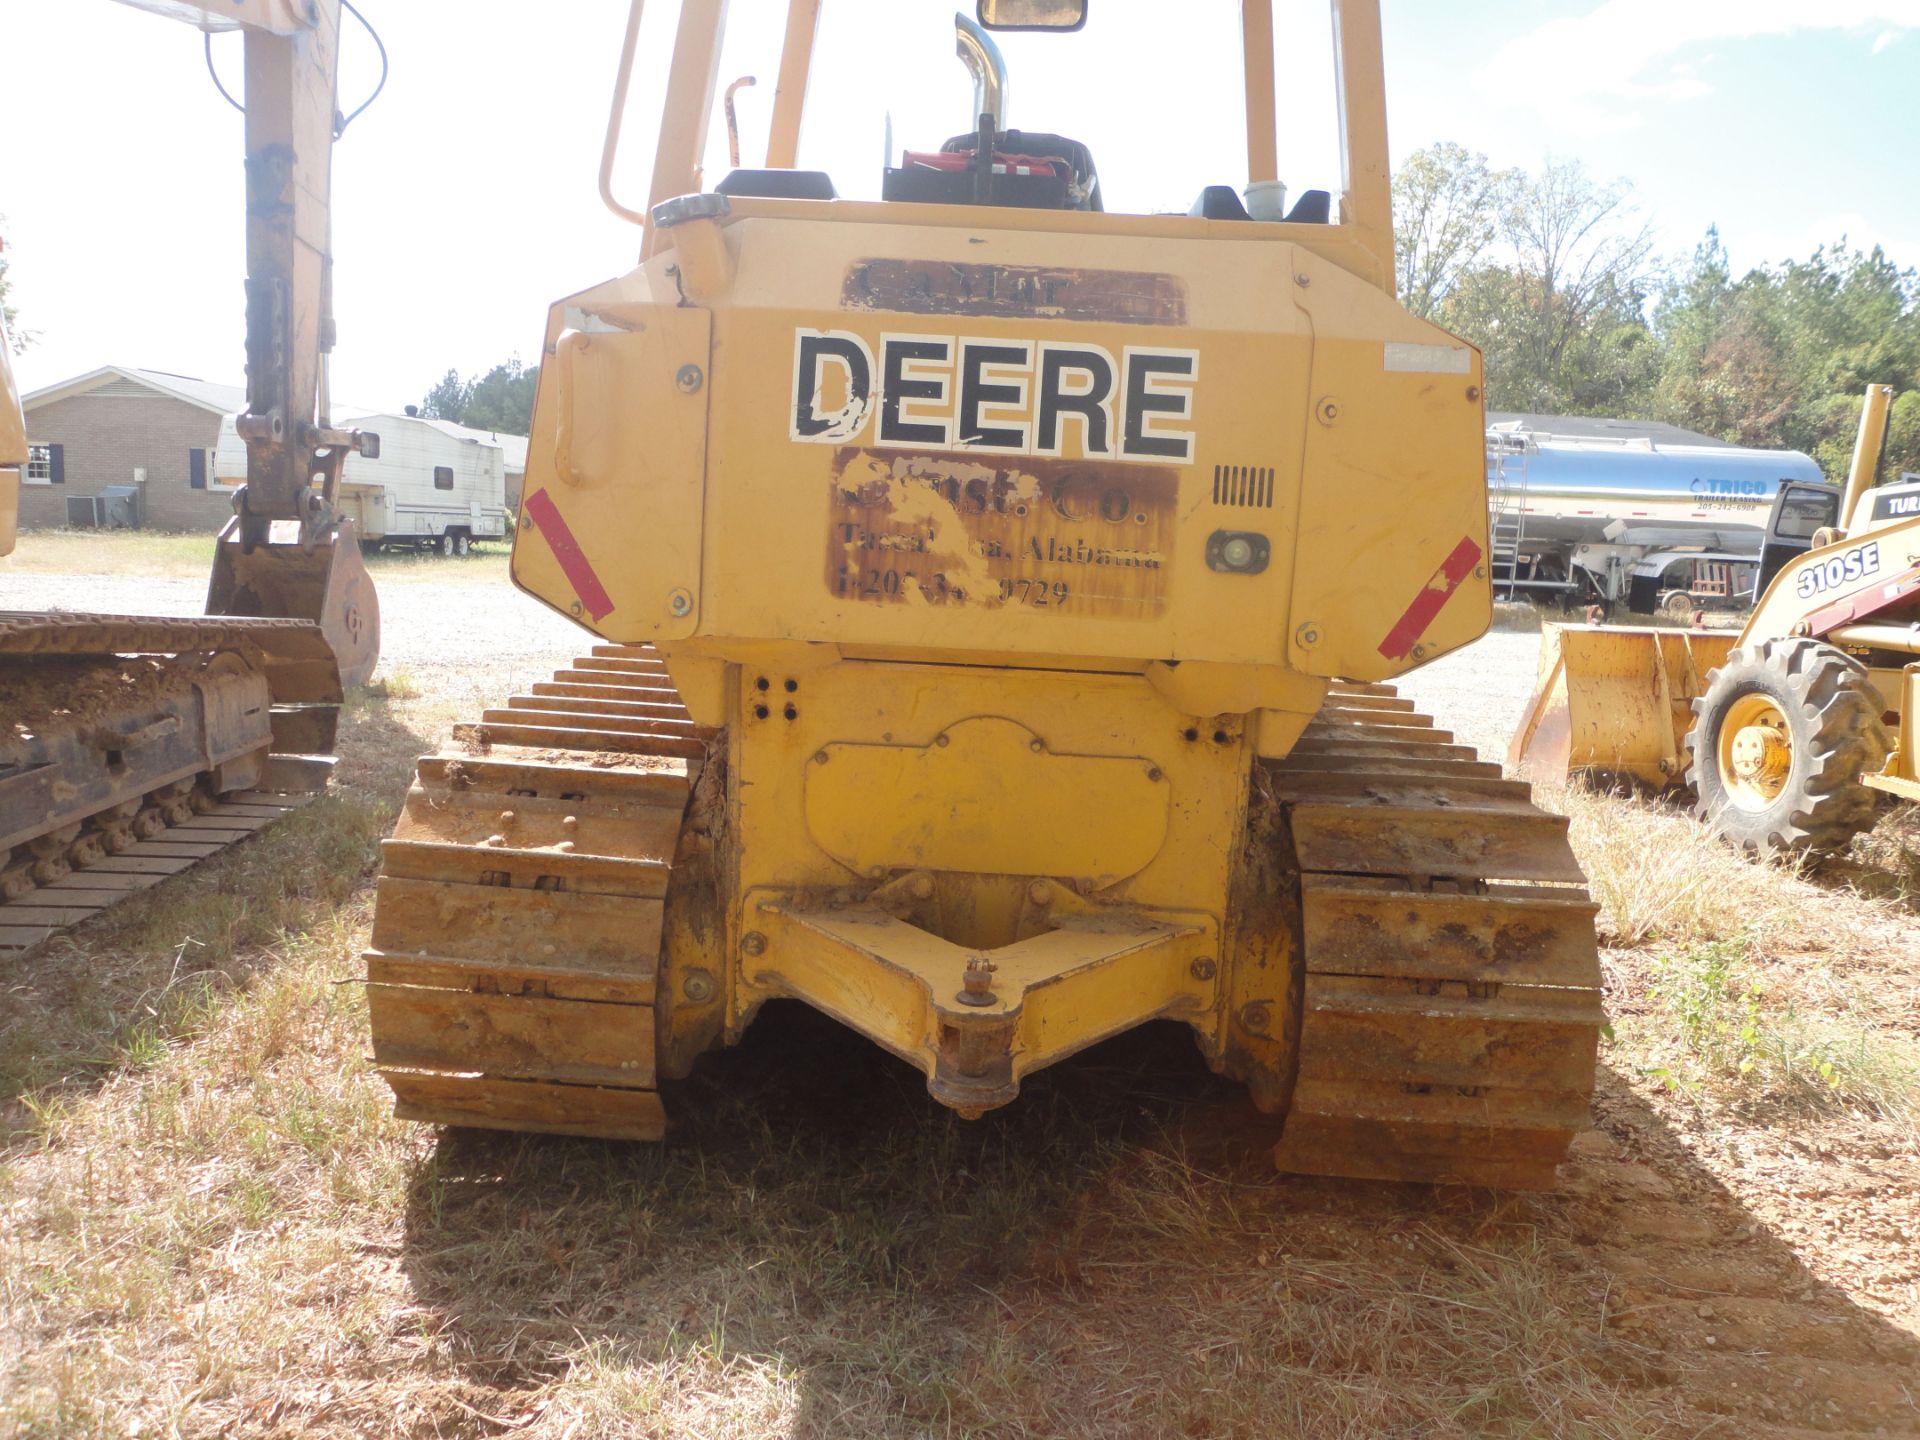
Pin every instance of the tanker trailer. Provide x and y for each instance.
(1600, 520)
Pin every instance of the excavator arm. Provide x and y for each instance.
(309, 569)
(139, 744)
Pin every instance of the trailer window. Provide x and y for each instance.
(443, 477)
(1805, 511)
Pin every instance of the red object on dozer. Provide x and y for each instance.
(1002, 164)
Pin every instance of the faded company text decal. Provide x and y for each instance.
(998, 473)
(1006, 397)
(1062, 537)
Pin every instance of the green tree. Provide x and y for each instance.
(447, 400)
(1781, 356)
(501, 400)
(1447, 208)
(1550, 274)
(9, 317)
(1580, 269)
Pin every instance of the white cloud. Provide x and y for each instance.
(1797, 239)
(1597, 71)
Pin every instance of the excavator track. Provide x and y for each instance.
(133, 747)
(1451, 1011)
(521, 904)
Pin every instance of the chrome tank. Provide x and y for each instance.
(1564, 489)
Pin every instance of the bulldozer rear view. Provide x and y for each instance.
(996, 599)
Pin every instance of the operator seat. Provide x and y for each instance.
(1040, 145)
(1028, 169)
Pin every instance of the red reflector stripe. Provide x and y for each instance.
(548, 521)
(1408, 629)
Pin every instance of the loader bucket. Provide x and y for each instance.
(1615, 702)
(328, 584)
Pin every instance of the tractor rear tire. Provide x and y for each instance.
(1782, 741)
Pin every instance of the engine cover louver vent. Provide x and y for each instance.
(1248, 485)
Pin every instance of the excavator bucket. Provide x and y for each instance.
(327, 583)
(1615, 702)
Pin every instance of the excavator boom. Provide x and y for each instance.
(124, 726)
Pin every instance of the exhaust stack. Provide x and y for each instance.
(989, 70)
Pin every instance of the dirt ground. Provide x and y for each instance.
(210, 1225)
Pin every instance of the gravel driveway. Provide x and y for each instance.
(473, 642)
(1480, 692)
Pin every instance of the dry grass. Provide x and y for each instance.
(1783, 987)
(153, 555)
(236, 1239)
(210, 1225)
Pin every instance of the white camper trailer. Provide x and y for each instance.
(435, 486)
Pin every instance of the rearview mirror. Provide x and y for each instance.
(1032, 14)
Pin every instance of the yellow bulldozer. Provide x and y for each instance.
(1789, 730)
(133, 746)
(995, 597)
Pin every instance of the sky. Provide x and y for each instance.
(466, 200)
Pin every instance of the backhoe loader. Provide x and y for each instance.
(1790, 730)
(133, 746)
(996, 596)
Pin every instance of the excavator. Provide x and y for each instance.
(1790, 731)
(133, 746)
(994, 601)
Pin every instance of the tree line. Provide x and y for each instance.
(1557, 278)
(500, 400)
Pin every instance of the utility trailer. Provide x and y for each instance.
(433, 486)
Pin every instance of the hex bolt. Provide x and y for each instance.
(1329, 410)
(689, 378)
(1308, 634)
(1203, 968)
(1154, 774)
(820, 757)
(941, 740)
(1303, 280)
(1255, 1017)
(1037, 747)
(697, 986)
(922, 887)
(977, 983)
(753, 943)
(680, 602)
(574, 608)
(1473, 392)
(1040, 893)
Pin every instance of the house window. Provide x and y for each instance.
(443, 477)
(43, 465)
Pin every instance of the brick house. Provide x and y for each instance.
(120, 426)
